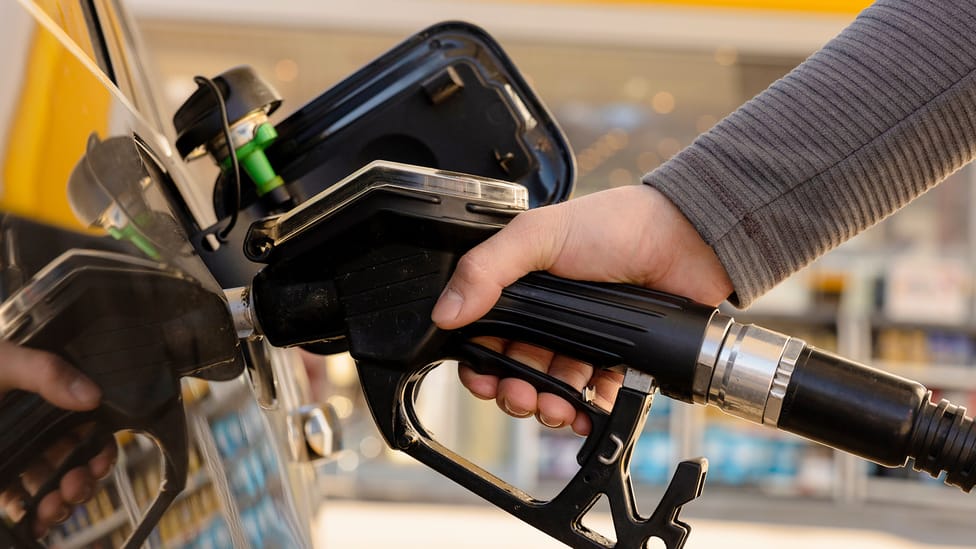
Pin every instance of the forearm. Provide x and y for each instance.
(879, 115)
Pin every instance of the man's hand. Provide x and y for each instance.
(65, 387)
(628, 234)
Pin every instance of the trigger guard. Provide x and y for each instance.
(391, 389)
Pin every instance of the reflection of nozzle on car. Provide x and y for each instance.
(116, 186)
(106, 189)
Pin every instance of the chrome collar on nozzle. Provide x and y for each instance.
(744, 369)
(241, 308)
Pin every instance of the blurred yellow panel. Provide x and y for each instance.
(70, 16)
(817, 6)
(58, 105)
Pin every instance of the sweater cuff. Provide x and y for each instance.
(735, 245)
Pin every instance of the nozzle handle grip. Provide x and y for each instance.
(605, 325)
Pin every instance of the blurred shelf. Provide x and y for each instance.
(99, 530)
(882, 321)
(104, 527)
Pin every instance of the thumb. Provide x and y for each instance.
(46, 374)
(529, 243)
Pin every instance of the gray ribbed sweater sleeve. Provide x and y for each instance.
(882, 113)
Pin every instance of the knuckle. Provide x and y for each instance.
(471, 268)
(8, 499)
(574, 373)
(15, 511)
(45, 367)
(574, 377)
(474, 262)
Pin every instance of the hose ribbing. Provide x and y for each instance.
(944, 439)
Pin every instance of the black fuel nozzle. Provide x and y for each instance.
(361, 265)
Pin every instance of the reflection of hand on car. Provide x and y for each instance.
(65, 387)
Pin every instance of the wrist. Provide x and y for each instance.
(694, 269)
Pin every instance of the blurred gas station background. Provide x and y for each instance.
(631, 83)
